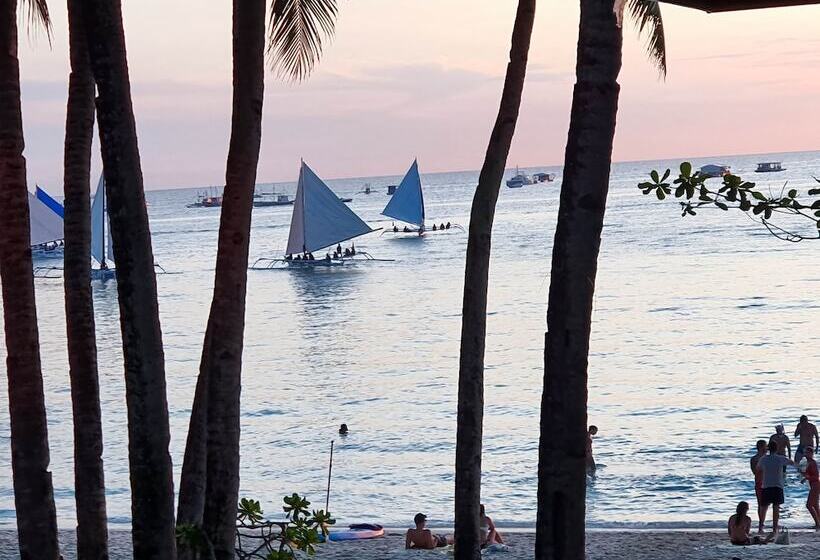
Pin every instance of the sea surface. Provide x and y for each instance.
(705, 336)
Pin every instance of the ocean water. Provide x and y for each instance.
(704, 336)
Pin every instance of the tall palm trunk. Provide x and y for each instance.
(152, 491)
(89, 478)
(560, 529)
(218, 388)
(33, 491)
(474, 310)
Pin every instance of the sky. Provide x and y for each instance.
(423, 78)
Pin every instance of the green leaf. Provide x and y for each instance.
(661, 195)
(759, 195)
(686, 169)
(679, 191)
(721, 205)
(814, 192)
(745, 205)
(655, 176)
(793, 193)
(666, 175)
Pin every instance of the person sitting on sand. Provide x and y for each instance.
(807, 432)
(772, 468)
(784, 446)
(813, 476)
(489, 534)
(761, 512)
(740, 525)
(420, 537)
(593, 430)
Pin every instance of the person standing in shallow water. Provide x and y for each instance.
(813, 476)
(761, 511)
(772, 468)
(784, 446)
(807, 432)
(591, 467)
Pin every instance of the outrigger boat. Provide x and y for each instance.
(45, 225)
(407, 205)
(320, 220)
(101, 246)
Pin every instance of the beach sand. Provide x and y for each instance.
(601, 545)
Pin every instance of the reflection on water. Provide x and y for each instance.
(702, 341)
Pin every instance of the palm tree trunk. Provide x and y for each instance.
(33, 490)
(560, 531)
(218, 387)
(152, 490)
(89, 478)
(474, 310)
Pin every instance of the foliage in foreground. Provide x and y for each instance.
(735, 193)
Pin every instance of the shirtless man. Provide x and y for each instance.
(807, 432)
(420, 537)
(782, 441)
(761, 512)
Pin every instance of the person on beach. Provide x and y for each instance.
(489, 534)
(807, 432)
(740, 526)
(813, 476)
(772, 468)
(784, 446)
(591, 467)
(423, 538)
(761, 511)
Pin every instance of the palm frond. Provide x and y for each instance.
(297, 29)
(647, 14)
(37, 16)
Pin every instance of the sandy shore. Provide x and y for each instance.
(601, 545)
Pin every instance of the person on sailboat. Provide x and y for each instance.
(327, 257)
(406, 229)
(395, 228)
(434, 227)
(339, 249)
(441, 226)
(347, 252)
(298, 258)
(448, 225)
(352, 249)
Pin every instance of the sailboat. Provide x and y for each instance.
(46, 227)
(102, 250)
(407, 205)
(320, 220)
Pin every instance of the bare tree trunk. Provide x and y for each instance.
(89, 477)
(33, 491)
(217, 405)
(474, 309)
(560, 529)
(152, 490)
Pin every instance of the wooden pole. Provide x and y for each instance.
(329, 470)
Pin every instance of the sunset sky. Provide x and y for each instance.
(422, 78)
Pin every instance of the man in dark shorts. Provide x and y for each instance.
(771, 468)
(807, 432)
(761, 512)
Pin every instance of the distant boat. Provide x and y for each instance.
(320, 220)
(769, 167)
(367, 189)
(715, 170)
(345, 199)
(391, 189)
(519, 180)
(102, 250)
(272, 199)
(207, 200)
(543, 177)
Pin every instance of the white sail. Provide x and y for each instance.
(44, 223)
(100, 248)
(407, 204)
(319, 218)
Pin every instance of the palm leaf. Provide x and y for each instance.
(647, 14)
(296, 34)
(37, 15)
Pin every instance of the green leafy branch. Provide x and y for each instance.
(735, 193)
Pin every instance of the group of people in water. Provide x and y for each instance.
(769, 467)
(338, 253)
(422, 537)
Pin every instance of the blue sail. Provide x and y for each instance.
(319, 218)
(46, 199)
(407, 204)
